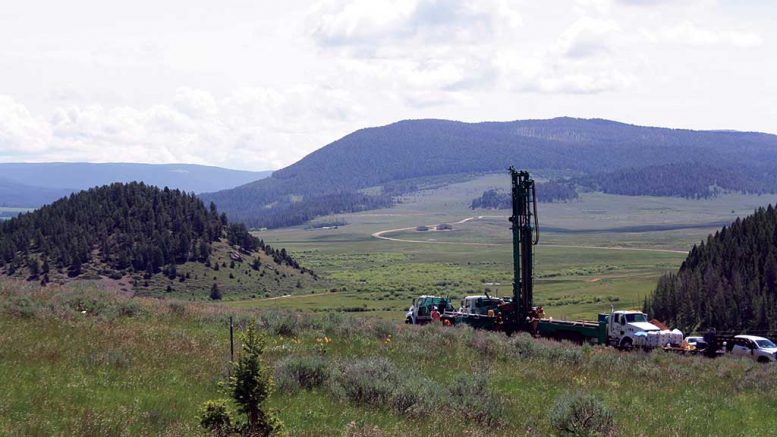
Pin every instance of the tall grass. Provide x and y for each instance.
(85, 362)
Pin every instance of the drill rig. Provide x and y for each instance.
(624, 329)
(518, 314)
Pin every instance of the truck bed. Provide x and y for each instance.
(578, 331)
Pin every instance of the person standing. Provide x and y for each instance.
(435, 315)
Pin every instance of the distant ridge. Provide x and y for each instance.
(35, 184)
(20, 195)
(386, 155)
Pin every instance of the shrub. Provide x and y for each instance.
(280, 323)
(301, 372)
(377, 383)
(471, 398)
(381, 328)
(102, 304)
(21, 306)
(488, 344)
(418, 396)
(216, 418)
(581, 414)
(369, 381)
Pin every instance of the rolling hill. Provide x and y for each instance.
(36, 184)
(149, 238)
(426, 148)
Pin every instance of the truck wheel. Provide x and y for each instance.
(409, 321)
(762, 360)
(626, 344)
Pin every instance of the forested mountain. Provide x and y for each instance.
(728, 282)
(36, 184)
(689, 180)
(123, 229)
(418, 148)
(546, 192)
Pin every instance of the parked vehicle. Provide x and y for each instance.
(760, 349)
(696, 342)
(480, 304)
(626, 329)
(420, 311)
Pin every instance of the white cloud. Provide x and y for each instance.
(250, 128)
(688, 32)
(587, 37)
(370, 22)
(20, 131)
(258, 84)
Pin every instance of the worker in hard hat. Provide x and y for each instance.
(435, 315)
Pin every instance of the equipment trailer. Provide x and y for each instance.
(623, 329)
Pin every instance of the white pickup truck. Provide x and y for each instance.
(758, 348)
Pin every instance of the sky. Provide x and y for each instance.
(257, 85)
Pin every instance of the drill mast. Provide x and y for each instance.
(525, 235)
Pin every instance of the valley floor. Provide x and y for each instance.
(594, 252)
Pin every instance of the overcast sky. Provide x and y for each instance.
(259, 84)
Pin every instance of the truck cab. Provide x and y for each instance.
(759, 349)
(624, 328)
(480, 304)
(420, 311)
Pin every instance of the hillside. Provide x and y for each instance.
(148, 239)
(421, 148)
(728, 282)
(36, 184)
(688, 180)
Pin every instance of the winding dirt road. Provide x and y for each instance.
(381, 235)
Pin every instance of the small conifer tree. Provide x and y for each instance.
(215, 293)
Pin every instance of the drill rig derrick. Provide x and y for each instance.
(525, 228)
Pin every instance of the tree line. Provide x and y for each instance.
(688, 180)
(546, 192)
(728, 282)
(291, 210)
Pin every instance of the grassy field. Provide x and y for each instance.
(88, 362)
(594, 252)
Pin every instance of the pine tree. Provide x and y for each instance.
(251, 384)
(215, 293)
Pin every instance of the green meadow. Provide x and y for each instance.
(597, 252)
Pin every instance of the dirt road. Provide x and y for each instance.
(381, 235)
